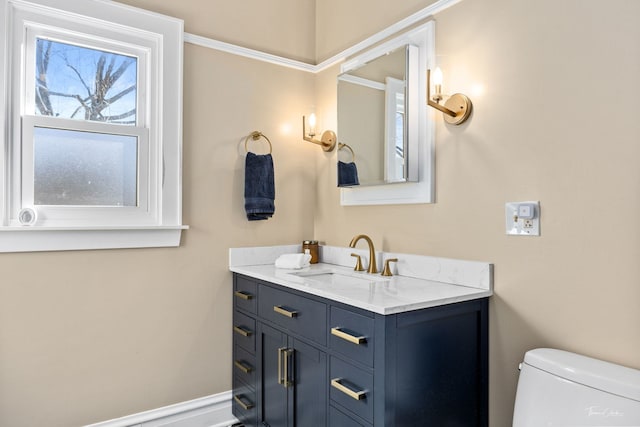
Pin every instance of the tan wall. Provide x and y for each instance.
(88, 336)
(547, 127)
(93, 335)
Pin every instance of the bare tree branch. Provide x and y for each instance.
(109, 68)
(77, 73)
(120, 116)
(116, 97)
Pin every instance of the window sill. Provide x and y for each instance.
(37, 239)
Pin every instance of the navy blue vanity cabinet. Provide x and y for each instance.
(244, 403)
(321, 363)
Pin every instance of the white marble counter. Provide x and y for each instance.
(435, 281)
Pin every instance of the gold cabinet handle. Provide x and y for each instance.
(245, 406)
(357, 395)
(288, 364)
(244, 332)
(244, 367)
(338, 332)
(243, 295)
(280, 310)
(280, 379)
(284, 364)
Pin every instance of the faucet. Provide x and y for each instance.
(372, 252)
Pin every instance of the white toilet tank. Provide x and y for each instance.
(558, 388)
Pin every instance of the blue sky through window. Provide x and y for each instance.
(76, 82)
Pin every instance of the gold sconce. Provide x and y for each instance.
(327, 140)
(456, 108)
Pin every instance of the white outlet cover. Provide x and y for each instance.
(516, 226)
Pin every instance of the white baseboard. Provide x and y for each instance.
(208, 411)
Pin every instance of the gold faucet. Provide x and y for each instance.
(372, 252)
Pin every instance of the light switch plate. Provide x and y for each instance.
(522, 218)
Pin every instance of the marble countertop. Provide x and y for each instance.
(383, 295)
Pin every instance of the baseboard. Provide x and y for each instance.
(210, 411)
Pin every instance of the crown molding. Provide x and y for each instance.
(401, 25)
(248, 53)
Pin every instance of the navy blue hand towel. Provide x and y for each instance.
(347, 174)
(259, 187)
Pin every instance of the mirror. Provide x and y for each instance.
(389, 171)
(373, 120)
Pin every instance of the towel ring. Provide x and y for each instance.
(353, 155)
(255, 135)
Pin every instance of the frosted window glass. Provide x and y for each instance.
(75, 82)
(84, 169)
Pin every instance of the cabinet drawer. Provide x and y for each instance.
(244, 366)
(338, 419)
(245, 294)
(352, 388)
(244, 331)
(351, 334)
(298, 314)
(243, 404)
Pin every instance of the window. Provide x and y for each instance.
(92, 127)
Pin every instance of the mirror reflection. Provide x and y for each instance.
(372, 121)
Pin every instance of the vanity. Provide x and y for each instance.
(327, 346)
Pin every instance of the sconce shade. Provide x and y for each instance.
(437, 76)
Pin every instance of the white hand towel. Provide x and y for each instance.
(293, 261)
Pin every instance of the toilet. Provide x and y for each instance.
(558, 388)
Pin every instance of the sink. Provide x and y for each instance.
(335, 278)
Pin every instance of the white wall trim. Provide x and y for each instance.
(405, 23)
(219, 403)
(248, 53)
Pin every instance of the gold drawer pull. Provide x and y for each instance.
(357, 395)
(243, 295)
(242, 331)
(280, 310)
(245, 406)
(337, 331)
(244, 367)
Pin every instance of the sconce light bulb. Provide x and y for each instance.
(437, 83)
(437, 76)
(312, 124)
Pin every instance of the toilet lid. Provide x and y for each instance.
(604, 376)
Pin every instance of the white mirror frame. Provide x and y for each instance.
(422, 191)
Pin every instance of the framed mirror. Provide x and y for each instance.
(373, 120)
(385, 133)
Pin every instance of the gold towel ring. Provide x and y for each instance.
(353, 155)
(255, 135)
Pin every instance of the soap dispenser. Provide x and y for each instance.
(312, 247)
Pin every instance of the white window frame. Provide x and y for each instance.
(157, 43)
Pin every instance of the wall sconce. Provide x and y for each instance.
(456, 109)
(327, 140)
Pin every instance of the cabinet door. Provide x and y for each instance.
(273, 394)
(294, 377)
(310, 388)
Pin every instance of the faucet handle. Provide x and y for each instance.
(387, 270)
(358, 266)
